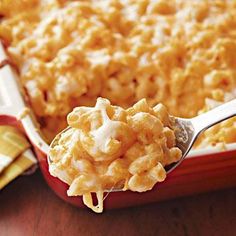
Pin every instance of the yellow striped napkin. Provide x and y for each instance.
(17, 167)
(12, 144)
(15, 154)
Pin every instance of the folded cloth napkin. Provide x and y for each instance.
(12, 144)
(15, 154)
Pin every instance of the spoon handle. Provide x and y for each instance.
(214, 116)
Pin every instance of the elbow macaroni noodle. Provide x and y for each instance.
(107, 146)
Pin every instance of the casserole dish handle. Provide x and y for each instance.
(13, 109)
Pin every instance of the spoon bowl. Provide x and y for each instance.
(185, 137)
(186, 131)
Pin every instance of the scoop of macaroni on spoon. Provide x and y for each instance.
(108, 148)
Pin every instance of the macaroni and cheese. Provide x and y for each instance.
(68, 53)
(110, 147)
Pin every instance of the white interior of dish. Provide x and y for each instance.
(11, 103)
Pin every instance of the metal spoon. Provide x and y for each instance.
(186, 130)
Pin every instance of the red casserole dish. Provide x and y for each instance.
(203, 170)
